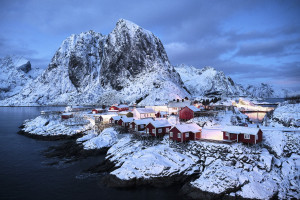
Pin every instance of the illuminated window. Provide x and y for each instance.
(247, 136)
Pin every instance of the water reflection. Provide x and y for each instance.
(256, 117)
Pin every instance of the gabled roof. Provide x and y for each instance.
(193, 108)
(160, 123)
(241, 129)
(188, 128)
(145, 110)
(143, 121)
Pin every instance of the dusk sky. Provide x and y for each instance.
(251, 41)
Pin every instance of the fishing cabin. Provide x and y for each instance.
(242, 134)
(185, 132)
(158, 128)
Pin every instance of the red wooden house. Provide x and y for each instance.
(125, 121)
(114, 119)
(118, 108)
(185, 132)
(242, 134)
(66, 115)
(140, 125)
(158, 128)
(188, 112)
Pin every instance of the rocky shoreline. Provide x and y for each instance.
(200, 170)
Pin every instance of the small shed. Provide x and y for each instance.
(242, 134)
(185, 132)
(188, 112)
(66, 115)
(158, 128)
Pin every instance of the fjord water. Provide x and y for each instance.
(24, 173)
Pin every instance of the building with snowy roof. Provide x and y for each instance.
(188, 112)
(242, 134)
(142, 113)
(158, 128)
(140, 125)
(185, 132)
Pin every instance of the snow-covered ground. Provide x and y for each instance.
(106, 138)
(52, 125)
(286, 114)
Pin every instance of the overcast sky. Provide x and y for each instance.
(251, 41)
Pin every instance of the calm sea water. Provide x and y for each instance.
(24, 173)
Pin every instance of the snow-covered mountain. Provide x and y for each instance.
(15, 73)
(127, 65)
(205, 81)
(265, 91)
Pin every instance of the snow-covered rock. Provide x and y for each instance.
(287, 114)
(15, 73)
(53, 126)
(129, 64)
(201, 82)
(264, 90)
(106, 138)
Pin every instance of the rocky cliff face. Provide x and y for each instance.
(127, 65)
(205, 81)
(15, 73)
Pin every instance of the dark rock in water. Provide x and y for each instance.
(26, 67)
(104, 166)
(71, 151)
(159, 182)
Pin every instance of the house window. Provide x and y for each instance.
(153, 130)
(130, 125)
(167, 130)
(171, 134)
(142, 126)
(147, 130)
(159, 130)
(247, 136)
(227, 134)
(123, 123)
(186, 135)
(179, 135)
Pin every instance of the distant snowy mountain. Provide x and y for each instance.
(205, 81)
(265, 91)
(15, 73)
(129, 64)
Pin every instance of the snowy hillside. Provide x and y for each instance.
(265, 91)
(207, 80)
(128, 64)
(15, 73)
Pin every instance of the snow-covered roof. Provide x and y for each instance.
(123, 112)
(193, 108)
(160, 123)
(145, 110)
(188, 128)
(241, 129)
(116, 117)
(180, 104)
(122, 106)
(127, 119)
(143, 121)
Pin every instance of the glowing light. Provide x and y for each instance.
(212, 134)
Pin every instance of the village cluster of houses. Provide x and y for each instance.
(152, 121)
